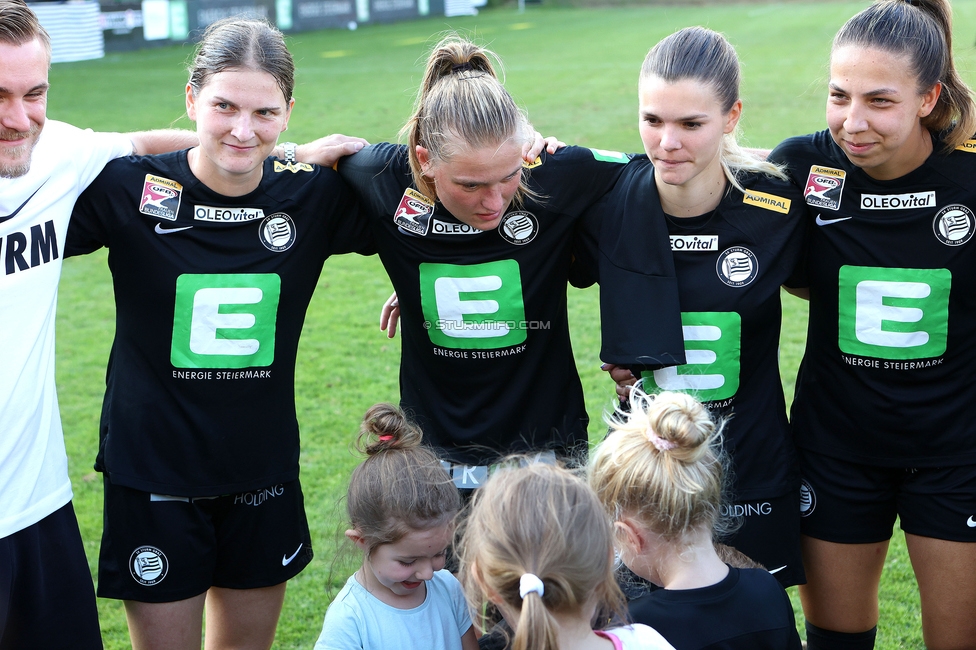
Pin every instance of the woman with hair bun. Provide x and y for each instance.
(660, 476)
(537, 545)
(477, 245)
(401, 505)
(885, 392)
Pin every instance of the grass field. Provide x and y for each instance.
(575, 72)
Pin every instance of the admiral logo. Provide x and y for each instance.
(277, 232)
(825, 187)
(897, 201)
(968, 146)
(148, 565)
(518, 227)
(294, 168)
(439, 227)
(694, 243)
(737, 266)
(160, 197)
(414, 212)
(953, 225)
(532, 165)
(227, 215)
(767, 201)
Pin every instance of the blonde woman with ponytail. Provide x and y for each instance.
(660, 476)
(883, 416)
(736, 229)
(477, 245)
(538, 547)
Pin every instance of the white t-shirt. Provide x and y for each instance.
(358, 619)
(34, 213)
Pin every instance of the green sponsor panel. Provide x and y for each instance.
(225, 321)
(610, 156)
(476, 306)
(893, 313)
(713, 350)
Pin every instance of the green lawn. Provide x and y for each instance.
(575, 72)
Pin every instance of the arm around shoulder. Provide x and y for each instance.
(162, 141)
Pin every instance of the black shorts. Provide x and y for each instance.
(852, 503)
(160, 549)
(770, 534)
(47, 599)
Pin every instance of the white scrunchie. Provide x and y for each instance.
(530, 582)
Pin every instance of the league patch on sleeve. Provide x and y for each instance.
(161, 197)
(413, 213)
(825, 186)
(532, 165)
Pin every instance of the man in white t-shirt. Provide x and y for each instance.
(46, 594)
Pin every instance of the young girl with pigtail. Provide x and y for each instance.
(401, 505)
(660, 475)
(538, 546)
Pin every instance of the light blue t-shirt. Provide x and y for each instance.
(358, 619)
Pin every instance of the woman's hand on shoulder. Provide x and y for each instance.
(328, 150)
(532, 150)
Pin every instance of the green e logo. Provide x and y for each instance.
(893, 313)
(476, 306)
(712, 349)
(225, 321)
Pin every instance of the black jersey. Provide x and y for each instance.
(730, 264)
(747, 610)
(887, 377)
(211, 293)
(487, 366)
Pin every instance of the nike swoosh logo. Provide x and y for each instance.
(971, 522)
(165, 231)
(827, 222)
(21, 206)
(779, 569)
(285, 560)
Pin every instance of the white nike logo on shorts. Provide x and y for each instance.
(827, 222)
(779, 569)
(971, 522)
(165, 231)
(285, 560)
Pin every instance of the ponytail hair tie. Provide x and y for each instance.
(660, 443)
(530, 582)
(462, 67)
(386, 438)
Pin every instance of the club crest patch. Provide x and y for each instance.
(808, 499)
(953, 225)
(825, 187)
(414, 212)
(277, 232)
(518, 227)
(737, 266)
(148, 565)
(160, 197)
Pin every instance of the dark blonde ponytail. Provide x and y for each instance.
(461, 102)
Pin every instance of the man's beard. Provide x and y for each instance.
(13, 171)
